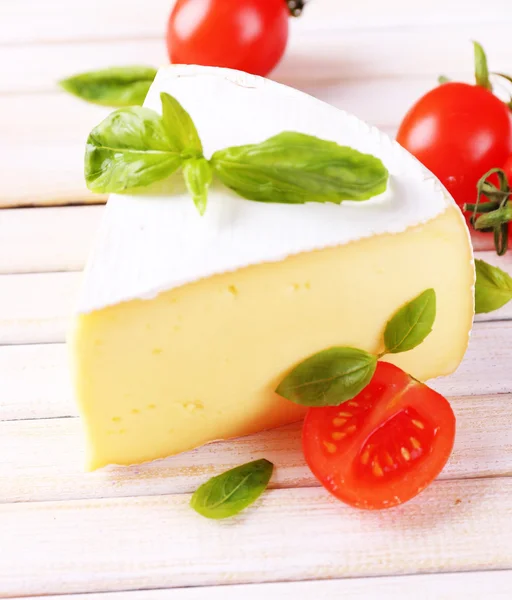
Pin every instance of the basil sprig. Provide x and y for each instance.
(115, 86)
(338, 374)
(135, 147)
(493, 287)
(229, 493)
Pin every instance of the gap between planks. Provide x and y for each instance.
(436, 586)
(289, 534)
(25, 321)
(42, 460)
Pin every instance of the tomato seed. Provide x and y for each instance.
(405, 453)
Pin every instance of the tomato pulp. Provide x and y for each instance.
(459, 132)
(383, 447)
(248, 35)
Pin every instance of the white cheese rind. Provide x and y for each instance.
(150, 243)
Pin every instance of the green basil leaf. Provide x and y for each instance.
(228, 494)
(443, 79)
(493, 288)
(295, 168)
(481, 68)
(129, 149)
(180, 127)
(116, 86)
(329, 378)
(198, 176)
(411, 324)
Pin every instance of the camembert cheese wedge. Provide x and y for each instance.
(186, 324)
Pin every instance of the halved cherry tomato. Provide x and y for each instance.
(383, 447)
(248, 35)
(459, 132)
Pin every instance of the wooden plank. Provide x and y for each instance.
(23, 321)
(49, 174)
(59, 239)
(36, 308)
(312, 56)
(447, 586)
(154, 542)
(55, 22)
(43, 459)
(47, 239)
(36, 385)
(52, 138)
(35, 382)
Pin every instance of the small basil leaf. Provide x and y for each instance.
(198, 176)
(228, 494)
(116, 86)
(443, 79)
(129, 149)
(493, 288)
(411, 324)
(481, 68)
(329, 378)
(180, 127)
(295, 168)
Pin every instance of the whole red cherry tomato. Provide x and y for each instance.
(459, 132)
(248, 35)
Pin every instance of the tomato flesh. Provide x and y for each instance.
(383, 447)
(459, 132)
(248, 35)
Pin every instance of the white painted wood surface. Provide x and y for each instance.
(99, 535)
(289, 534)
(450, 586)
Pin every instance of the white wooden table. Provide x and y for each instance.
(111, 533)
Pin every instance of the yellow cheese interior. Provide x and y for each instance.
(200, 362)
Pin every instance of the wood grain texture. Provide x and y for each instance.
(23, 321)
(43, 459)
(154, 542)
(448, 586)
(54, 22)
(36, 308)
(36, 384)
(45, 240)
(312, 56)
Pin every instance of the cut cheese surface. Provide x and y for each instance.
(186, 324)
